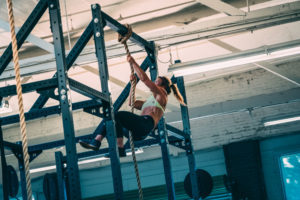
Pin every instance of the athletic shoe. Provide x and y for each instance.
(90, 144)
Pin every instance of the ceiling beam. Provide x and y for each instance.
(31, 38)
(224, 45)
(254, 20)
(222, 7)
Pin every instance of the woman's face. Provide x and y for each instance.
(158, 81)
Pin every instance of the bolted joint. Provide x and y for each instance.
(94, 6)
(189, 150)
(63, 91)
(96, 20)
(51, 5)
(98, 34)
(187, 141)
(161, 133)
(63, 97)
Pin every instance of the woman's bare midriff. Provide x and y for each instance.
(155, 112)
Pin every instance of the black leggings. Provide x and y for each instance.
(140, 126)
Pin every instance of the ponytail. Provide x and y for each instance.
(177, 94)
(167, 83)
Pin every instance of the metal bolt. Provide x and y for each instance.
(63, 91)
(94, 6)
(96, 20)
(63, 97)
(98, 34)
(162, 140)
(51, 5)
(161, 132)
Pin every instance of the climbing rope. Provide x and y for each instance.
(20, 99)
(123, 40)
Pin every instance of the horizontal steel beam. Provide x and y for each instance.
(100, 153)
(104, 151)
(87, 91)
(176, 142)
(121, 29)
(12, 146)
(48, 111)
(176, 131)
(29, 87)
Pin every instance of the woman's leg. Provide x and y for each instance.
(100, 137)
(139, 125)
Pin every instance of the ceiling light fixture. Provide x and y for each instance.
(282, 121)
(236, 59)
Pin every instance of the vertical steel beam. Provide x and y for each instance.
(60, 175)
(188, 141)
(73, 183)
(100, 47)
(114, 158)
(166, 159)
(108, 108)
(162, 133)
(4, 167)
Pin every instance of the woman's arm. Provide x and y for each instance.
(143, 76)
(138, 104)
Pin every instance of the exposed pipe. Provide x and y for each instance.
(67, 24)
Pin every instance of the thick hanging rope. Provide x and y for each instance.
(123, 40)
(20, 99)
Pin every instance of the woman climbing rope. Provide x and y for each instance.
(152, 111)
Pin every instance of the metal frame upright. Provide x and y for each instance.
(99, 101)
(107, 107)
